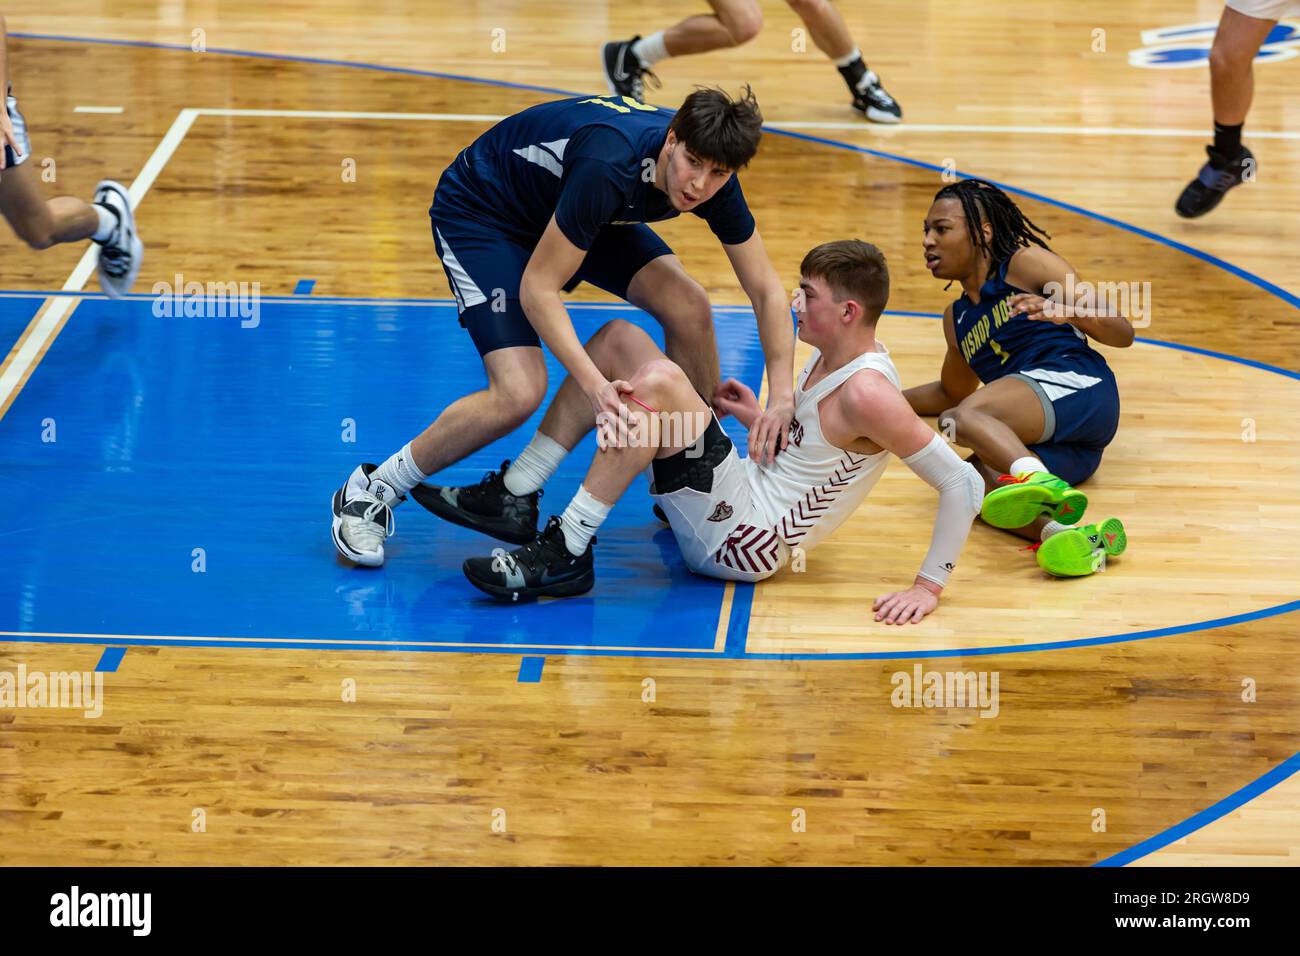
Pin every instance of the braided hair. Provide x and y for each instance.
(983, 202)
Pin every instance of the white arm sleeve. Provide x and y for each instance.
(961, 491)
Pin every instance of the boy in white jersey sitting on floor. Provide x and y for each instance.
(738, 518)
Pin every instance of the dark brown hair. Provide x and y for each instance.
(854, 270)
(715, 127)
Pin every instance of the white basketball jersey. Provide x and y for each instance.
(812, 487)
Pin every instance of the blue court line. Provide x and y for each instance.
(304, 287)
(380, 301)
(1207, 816)
(530, 669)
(733, 650)
(110, 659)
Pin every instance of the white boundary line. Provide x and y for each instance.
(860, 126)
(56, 309)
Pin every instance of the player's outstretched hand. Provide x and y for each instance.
(770, 431)
(906, 607)
(615, 428)
(733, 397)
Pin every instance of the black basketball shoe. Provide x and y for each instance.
(542, 568)
(1214, 180)
(487, 507)
(871, 100)
(624, 73)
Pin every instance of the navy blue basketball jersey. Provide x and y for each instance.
(589, 161)
(996, 343)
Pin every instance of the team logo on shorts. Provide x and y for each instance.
(722, 512)
(796, 431)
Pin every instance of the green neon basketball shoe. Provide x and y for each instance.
(1030, 495)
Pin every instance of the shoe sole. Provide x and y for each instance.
(876, 116)
(435, 504)
(1069, 554)
(115, 288)
(1208, 209)
(559, 589)
(1016, 506)
(356, 557)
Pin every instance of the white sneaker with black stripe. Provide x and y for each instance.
(120, 254)
(363, 517)
(871, 100)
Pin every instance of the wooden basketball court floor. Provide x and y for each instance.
(276, 707)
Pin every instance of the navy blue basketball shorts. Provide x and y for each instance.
(484, 267)
(1080, 413)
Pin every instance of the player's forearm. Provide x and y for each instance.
(545, 310)
(929, 399)
(1113, 330)
(774, 332)
(960, 492)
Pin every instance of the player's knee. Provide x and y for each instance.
(744, 23)
(517, 398)
(658, 377)
(1225, 61)
(38, 237)
(950, 422)
(692, 313)
(611, 337)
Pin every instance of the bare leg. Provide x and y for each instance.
(732, 23)
(39, 222)
(516, 387)
(618, 349)
(681, 305)
(826, 26)
(665, 388)
(1232, 77)
(998, 422)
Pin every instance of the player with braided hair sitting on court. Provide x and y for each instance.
(1049, 403)
(739, 518)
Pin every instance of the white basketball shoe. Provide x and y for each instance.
(363, 517)
(120, 254)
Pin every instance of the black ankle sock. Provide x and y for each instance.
(1227, 140)
(854, 72)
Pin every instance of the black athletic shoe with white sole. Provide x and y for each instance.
(363, 517)
(1213, 182)
(542, 568)
(624, 73)
(121, 253)
(486, 507)
(871, 100)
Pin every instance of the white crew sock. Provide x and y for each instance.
(1022, 465)
(107, 222)
(650, 50)
(844, 61)
(535, 465)
(400, 471)
(581, 519)
(1049, 529)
